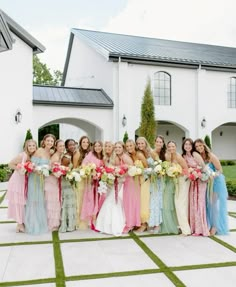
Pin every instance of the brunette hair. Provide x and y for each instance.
(42, 144)
(191, 142)
(83, 152)
(163, 149)
(95, 153)
(206, 148)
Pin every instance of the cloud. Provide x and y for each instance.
(201, 21)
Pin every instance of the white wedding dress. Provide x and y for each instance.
(111, 217)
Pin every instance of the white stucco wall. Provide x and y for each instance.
(16, 93)
(88, 69)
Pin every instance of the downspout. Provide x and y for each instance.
(118, 103)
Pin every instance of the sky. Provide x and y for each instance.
(50, 21)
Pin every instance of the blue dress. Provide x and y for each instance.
(156, 188)
(35, 212)
(217, 214)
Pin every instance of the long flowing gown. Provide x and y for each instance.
(131, 201)
(111, 218)
(16, 195)
(35, 212)
(145, 198)
(170, 222)
(217, 214)
(197, 202)
(91, 198)
(68, 212)
(53, 201)
(156, 190)
(181, 205)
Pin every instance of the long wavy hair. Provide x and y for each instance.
(163, 149)
(206, 148)
(191, 142)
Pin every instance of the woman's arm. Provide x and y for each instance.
(216, 162)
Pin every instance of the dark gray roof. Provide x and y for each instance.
(67, 96)
(117, 45)
(6, 39)
(23, 34)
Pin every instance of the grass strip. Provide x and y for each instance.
(164, 268)
(59, 267)
(203, 266)
(2, 197)
(3, 207)
(113, 274)
(28, 282)
(92, 239)
(226, 245)
(10, 221)
(25, 243)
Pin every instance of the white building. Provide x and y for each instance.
(194, 85)
(105, 75)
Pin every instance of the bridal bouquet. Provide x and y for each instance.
(87, 170)
(194, 173)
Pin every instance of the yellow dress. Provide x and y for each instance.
(79, 191)
(145, 200)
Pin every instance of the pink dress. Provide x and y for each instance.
(52, 189)
(131, 202)
(92, 200)
(16, 194)
(197, 202)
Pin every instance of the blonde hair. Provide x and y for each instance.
(26, 144)
(148, 147)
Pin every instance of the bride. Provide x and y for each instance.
(111, 218)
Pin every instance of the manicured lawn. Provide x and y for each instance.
(230, 172)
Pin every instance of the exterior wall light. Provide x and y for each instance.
(124, 121)
(221, 133)
(18, 117)
(203, 123)
(167, 133)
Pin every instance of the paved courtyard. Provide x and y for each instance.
(88, 258)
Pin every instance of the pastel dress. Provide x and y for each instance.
(111, 218)
(217, 214)
(156, 202)
(145, 198)
(35, 212)
(169, 218)
(131, 201)
(53, 201)
(197, 202)
(68, 210)
(16, 194)
(91, 198)
(181, 204)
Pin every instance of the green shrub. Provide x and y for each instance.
(231, 186)
(125, 138)
(207, 141)
(225, 162)
(5, 172)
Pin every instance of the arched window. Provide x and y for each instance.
(162, 88)
(232, 93)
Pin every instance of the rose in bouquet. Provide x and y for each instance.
(58, 170)
(136, 169)
(194, 173)
(87, 170)
(25, 168)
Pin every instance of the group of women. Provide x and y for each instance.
(158, 204)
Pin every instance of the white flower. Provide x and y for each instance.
(138, 171)
(82, 172)
(157, 168)
(132, 171)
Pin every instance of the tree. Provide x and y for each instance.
(28, 136)
(148, 123)
(207, 141)
(52, 129)
(125, 138)
(42, 74)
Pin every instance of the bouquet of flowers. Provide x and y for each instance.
(43, 170)
(87, 170)
(174, 170)
(194, 173)
(136, 169)
(73, 176)
(25, 168)
(58, 170)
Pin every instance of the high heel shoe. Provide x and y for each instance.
(142, 228)
(20, 228)
(92, 226)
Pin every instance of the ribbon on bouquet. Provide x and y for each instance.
(196, 189)
(26, 186)
(59, 186)
(116, 189)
